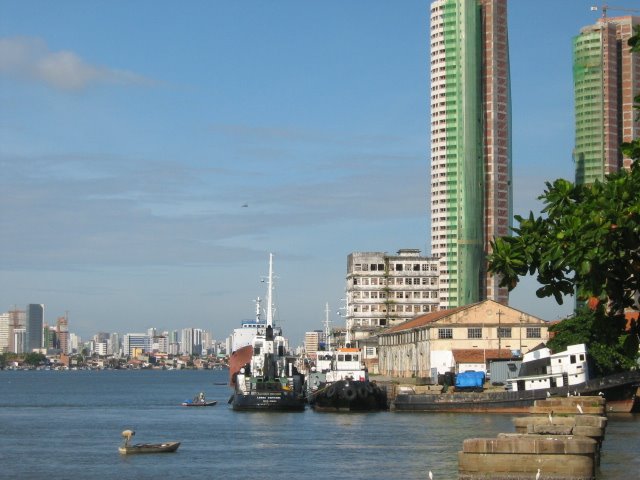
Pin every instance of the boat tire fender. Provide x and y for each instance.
(350, 393)
(331, 391)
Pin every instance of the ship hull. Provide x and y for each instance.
(350, 396)
(620, 391)
(237, 360)
(268, 401)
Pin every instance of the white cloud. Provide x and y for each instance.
(29, 57)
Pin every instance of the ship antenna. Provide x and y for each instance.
(347, 321)
(258, 309)
(270, 293)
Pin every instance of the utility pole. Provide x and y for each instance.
(499, 313)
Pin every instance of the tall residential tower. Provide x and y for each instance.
(471, 193)
(606, 77)
(34, 327)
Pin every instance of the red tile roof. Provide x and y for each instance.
(423, 320)
(479, 355)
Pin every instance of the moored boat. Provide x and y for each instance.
(270, 381)
(339, 381)
(241, 342)
(542, 375)
(126, 448)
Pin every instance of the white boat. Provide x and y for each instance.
(242, 339)
(270, 380)
(541, 369)
(340, 380)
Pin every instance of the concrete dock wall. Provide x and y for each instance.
(558, 441)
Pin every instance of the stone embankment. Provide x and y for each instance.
(560, 440)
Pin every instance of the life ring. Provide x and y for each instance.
(350, 393)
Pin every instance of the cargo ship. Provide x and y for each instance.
(269, 381)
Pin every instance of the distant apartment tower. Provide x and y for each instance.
(384, 290)
(34, 327)
(19, 340)
(136, 343)
(4, 332)
(312, 342)
(191, 341)
(471, 191)
(606, 78)
(62, 328)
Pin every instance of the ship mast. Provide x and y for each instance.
(270, 293)
(327, 329)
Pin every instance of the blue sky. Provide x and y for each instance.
(132, 134)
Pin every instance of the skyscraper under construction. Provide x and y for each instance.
(471, 192)
(606, 77)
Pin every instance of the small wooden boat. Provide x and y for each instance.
(149, 448)
(126, 448)
(199, 401)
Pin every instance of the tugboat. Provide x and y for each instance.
(270, 381)
(340, 381)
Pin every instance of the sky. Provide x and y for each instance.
(153, 153)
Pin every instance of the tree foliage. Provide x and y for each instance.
(612, 347)
(587, 242)
(34, 358)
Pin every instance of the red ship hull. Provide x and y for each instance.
(239, 359)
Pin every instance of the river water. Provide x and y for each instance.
(64, 425)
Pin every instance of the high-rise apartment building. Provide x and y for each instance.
(17, 319)
(135, 343)
(4, 332)
(312, 342)
(63, 334)
(606, 78)
(34, 327)
(471, 192)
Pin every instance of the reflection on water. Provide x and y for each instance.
(67, 424)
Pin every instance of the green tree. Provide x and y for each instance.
(587, 243)
(34, 358)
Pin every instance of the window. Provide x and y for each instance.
(504, 332)
(445, 333)
(533, 332)
(474, 333)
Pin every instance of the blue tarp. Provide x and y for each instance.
(470, 380)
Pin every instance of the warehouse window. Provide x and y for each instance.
(445, 333)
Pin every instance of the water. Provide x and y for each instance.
(63, 425)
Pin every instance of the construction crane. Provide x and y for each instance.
(605, 8)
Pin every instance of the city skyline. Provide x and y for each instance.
(133, 136)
